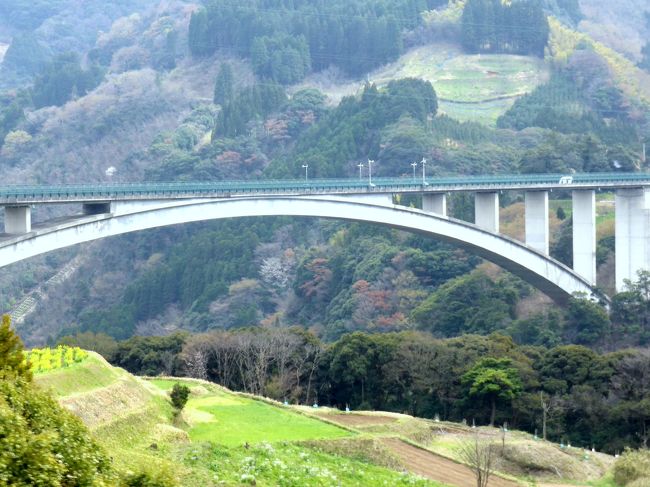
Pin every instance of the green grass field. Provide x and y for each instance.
(233, 420)
(470, 87)
(90, 374)
(286, 464)
(221, 438)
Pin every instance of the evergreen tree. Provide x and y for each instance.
(223, 87)
(504, 27)
(62, 79)
(179, 396)
(26, 55)
(12, 358)
(645, 61)
(494, 379)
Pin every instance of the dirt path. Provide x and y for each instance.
(438, 468)
(354, 420)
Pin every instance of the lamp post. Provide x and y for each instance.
(370, 163)
(424, 172)
(414, 165)
(360, 166)
(306, 168)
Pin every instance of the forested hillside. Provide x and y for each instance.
(215, 90)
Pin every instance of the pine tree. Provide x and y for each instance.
(12, 356)
(223, 87)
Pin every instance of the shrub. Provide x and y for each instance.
(632, 466)
(12, 357)
(147, 479)
(43, 444)
(179, 396)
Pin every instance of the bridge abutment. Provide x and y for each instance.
(435, 203)
(537, 220)
(584, 233)
(486, 211)
(18, 219)
(632, 232)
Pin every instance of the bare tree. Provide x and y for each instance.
(316, 352)
(479, 455)
(549, 405)
(285, 347)
(196, 363)
(223, 348)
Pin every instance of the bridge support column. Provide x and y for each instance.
(537, 220)
(584, 234)
(18, 219)
(632, 229)
(486, 211)
(435, 203)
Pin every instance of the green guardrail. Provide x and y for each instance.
(250, 187)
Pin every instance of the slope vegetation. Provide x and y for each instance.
(221, 438)
(227, 438)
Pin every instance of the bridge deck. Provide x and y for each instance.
(28, 194)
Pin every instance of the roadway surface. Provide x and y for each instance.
(88, 193)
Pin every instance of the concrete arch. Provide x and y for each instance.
(551, 277)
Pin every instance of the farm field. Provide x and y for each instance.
(231, 420)
(228, 438)
(220, 438)
(470, 87)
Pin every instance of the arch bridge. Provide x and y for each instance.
(114, 209)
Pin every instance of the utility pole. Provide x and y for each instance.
(415, 165)
(370, 163)
(306, 168)
(360, 166)
(424, 172)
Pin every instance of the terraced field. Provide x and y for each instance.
(221, 437)
(469, 87)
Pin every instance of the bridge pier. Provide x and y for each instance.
(632, 232)
(435, 203)
(584, 233)
(486, 211)
(18, 219)
(536, 216)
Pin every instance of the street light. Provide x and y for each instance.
(424, 172)
(370, 163)
(414, 165)
(360, 166)
(305, 167)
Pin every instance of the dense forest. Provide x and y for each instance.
(285, 42)
(515, 27)
(588, 399)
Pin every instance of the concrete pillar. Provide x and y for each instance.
(486, 211)
(18, 219)
(631, 234)
(537, 220)
(435, 203)
(584, 234)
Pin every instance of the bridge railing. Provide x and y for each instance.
(113, 189)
